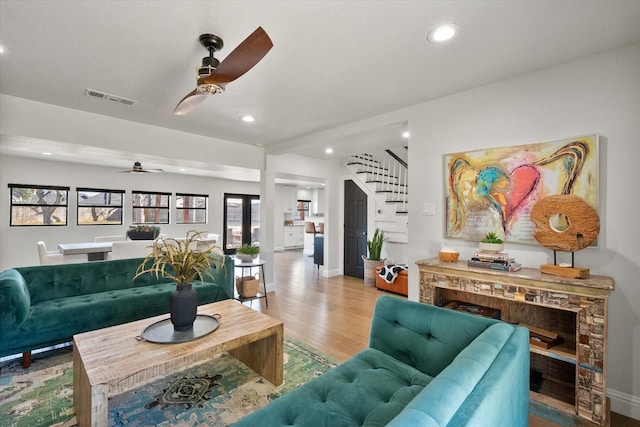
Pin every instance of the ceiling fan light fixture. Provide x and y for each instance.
(210, 88)
(443, 33)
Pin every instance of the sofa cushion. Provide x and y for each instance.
(367, 390)
(423, 336)
(15, 300)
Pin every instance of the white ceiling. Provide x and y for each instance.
(333, 62)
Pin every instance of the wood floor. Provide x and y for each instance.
(334, 314)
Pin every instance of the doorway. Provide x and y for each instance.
(241, 221)
(355, 229)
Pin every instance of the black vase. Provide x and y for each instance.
(183, 307)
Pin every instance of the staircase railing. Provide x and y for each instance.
(389, 173)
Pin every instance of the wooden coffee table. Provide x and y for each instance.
(110, 361)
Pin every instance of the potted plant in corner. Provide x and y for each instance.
(374, 247)
(181, 261)
(491, 243)
(247, 252)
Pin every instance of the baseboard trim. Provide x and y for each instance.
(624, 404)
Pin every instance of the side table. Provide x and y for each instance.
(250, 265)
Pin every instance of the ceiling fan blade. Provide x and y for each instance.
(189, 102)
(241, 59)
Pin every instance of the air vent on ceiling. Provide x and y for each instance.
(108, 97)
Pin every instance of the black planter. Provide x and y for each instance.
(183, 307)
(142, 235)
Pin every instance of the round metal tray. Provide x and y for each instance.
(162, 332)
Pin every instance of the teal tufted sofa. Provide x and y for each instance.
(46, 305)
(425, 366)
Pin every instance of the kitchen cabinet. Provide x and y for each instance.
(293, 236)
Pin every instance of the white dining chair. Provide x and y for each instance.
(48, 257)
(130, 249)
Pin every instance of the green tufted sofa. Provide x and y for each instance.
(46, 305)
(425, 366)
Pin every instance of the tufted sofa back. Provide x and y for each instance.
(51, 282)
(423, 336)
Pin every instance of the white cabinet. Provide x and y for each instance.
(289, 237)
(293, 236)
(299, 236)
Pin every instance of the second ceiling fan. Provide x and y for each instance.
(213, 75)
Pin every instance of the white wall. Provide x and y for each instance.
(18, 244)
(598, 94)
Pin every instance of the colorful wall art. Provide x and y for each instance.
(495, 189)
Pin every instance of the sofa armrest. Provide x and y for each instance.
(15, 300)
(487, 384)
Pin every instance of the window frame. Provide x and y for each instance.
(65, 206)
(157, 208)
(98, 190)
(180, 210)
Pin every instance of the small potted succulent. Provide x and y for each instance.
(491, 243)
(247, 252)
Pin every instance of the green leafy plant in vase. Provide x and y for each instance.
(374, 248)
(491, 242)
(247, 252)
(181, 261)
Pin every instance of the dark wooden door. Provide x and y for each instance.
(355, 229)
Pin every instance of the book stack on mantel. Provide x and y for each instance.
(494, 261)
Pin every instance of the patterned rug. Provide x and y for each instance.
(216, 393)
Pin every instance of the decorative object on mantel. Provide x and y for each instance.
(374, 247)
(491, 243)
(180, 261)
(565, 223)
(448, 254)
(247, 253)
(143, 232)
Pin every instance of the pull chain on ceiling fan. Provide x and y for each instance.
(213, 76)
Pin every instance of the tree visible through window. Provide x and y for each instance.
(99, 206)
(191, 208)
(150, 207)
(38, 205)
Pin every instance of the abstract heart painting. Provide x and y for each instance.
(495, 189)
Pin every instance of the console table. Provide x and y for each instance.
(572, 373)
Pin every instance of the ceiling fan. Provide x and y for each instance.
(137, 168)
(213, 75)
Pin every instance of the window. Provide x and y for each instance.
(302, 210)
(191, 208)
(38, 205)
(99, 207)
(150, 207)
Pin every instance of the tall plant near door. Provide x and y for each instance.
(374, 248)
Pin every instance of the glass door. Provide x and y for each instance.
(241, 221)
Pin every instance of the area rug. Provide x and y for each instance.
(216, 393)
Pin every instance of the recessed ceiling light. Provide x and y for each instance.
(248, 119)
(405, 134)
(329, 150)
(2, 49)
(182, 169)
(46, 153)
(443, 33)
